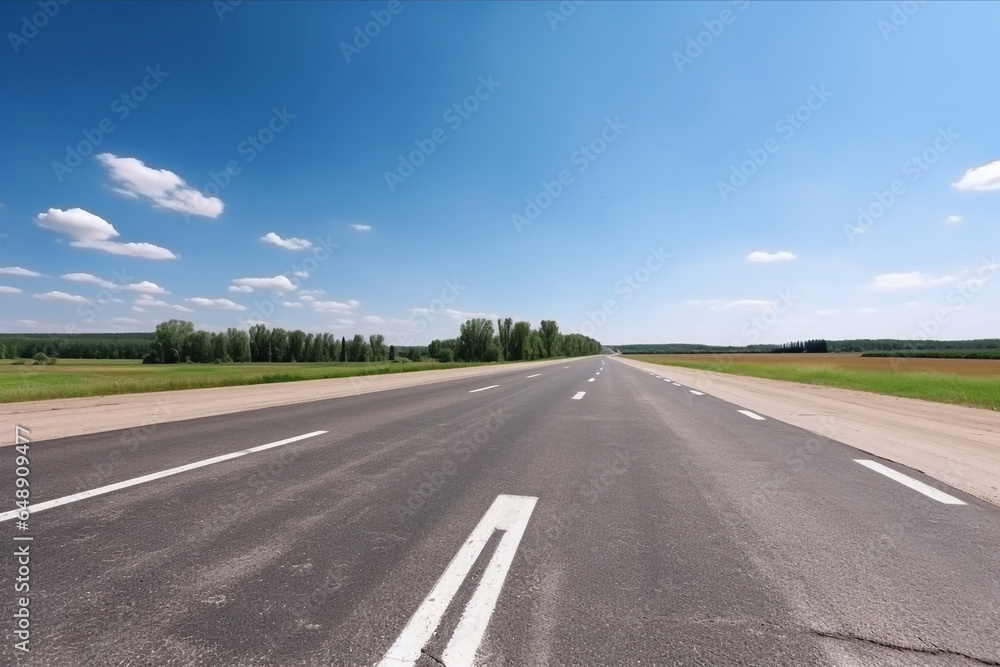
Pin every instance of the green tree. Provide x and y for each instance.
(343, 349)
(357, 349)
(279, 345)
(260, 343)
(171, 336)
(520, 338)
(378, 350)
(392, 353)
(503, 334)
(550, 337)
(475, 340)
(238, 345)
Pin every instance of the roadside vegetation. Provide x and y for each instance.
(969, 382)
(176, 356)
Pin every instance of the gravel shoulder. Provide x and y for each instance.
(957, 445)
(60, 418)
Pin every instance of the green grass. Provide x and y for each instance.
(979, 391)
(72, 378)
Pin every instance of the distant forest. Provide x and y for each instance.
(987, 348)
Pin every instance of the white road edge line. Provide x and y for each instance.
(578, 395)
(696, 393)
(751, 415)
(535, 375)
(914, 484)
(509, 514)
(101, 490)
(676, 384)
(492, 386)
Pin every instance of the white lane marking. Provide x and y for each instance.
(535, 375)
(696, 393)
(101, 490)
(492, 386)
(565, 366)
(751, 415)
(507, 513)
(666, 380)
(676, 384)
(578, 395)
(590, 380)
(914, 484)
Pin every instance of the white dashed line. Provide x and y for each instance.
(914, 484)
(591, 380)
(492, 386)
(751, 415)
(535, 375)
(578, 395)
(509, 514)
(676, 384)
(65, 500)
(696, 393)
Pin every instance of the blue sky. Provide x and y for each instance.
(662, 229)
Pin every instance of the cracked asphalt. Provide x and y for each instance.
(669, 529)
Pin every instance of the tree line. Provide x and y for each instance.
(811, 346)
(76, 346)
(177, 341)
(511, 341)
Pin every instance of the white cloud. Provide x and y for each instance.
(4, 289)
(30, 323)
(19, 271)
(183, 309)
(306, 297)
(893, 281)
(276, 283)
(986, 177)
(240, 288)
(163, 187)
(291, 304)
(88, 278)
(463, 315)
(301, 274)
(953, 219)
(867, 311)
(138, 309)
(311, 291)
(719, 304)
(91, 231)
(335, 306)
(290, 243)
(762, 257)
(831, 311)
(125, 320)
(146, 287)
(221, 304)
(145, 301)
(56, 295)
(374, 319)
(361, 228)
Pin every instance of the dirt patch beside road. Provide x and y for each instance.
(957, 445)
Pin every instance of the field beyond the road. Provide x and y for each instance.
(970, 382)
(74, 378)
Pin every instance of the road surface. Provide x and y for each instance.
(586, 513)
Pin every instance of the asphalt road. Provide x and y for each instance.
(521, 524)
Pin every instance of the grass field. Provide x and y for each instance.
(70, 378)
(971, 382)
